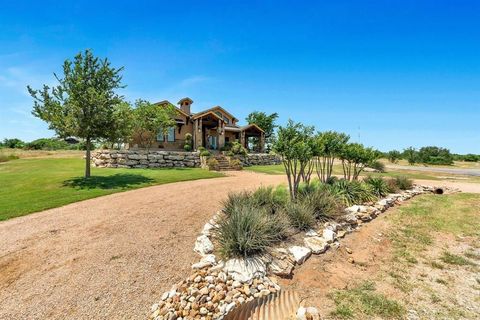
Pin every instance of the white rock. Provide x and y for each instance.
(311, 233)
(307, 313)
(207, 228)
(245, 270)
(300, 254)
(203, 245)
(206, 261)
(316, 244)
(329, 235)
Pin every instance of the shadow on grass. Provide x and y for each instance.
(119, 180)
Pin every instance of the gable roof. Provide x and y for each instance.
(164, 102)
(248, 126)
(216, 108)
(204, 113)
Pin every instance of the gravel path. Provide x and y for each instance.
(109, 257)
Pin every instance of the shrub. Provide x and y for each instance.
(393, 156)
(351, 192)
(324, 205)
(247, 231)
(403, 183)
(200, 149)
(377, 165)
(212, 164)
(205, 153)
(392, 185)
(187, 147)
(378, 185)
(235, 200)
(6, 158)
(13, 143)
(237, 148)
(48, 144)
(235, 163)
(300, 214)
(188, 142)
(264, 198)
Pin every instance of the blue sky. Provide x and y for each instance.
(390, 73)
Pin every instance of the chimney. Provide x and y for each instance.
(185, 105)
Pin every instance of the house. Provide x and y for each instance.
(211, 128)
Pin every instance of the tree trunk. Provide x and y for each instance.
(87, 159)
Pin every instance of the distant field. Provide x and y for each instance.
(35, 184)
(23, 154)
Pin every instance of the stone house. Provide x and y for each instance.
(211, 128)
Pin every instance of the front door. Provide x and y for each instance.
(212, 142)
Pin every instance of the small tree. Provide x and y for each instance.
(265, 122)
(355, 157)
(82, 104)
(150, 119)
(329, 145)
(393, 156)
(123, 123)
(293, 146)
(411, 155)
(13, 143)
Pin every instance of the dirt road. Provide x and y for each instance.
(109, 257)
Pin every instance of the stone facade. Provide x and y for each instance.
(143, 159)
(167, 159)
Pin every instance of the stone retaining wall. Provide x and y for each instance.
(167, 159)
(143, 159)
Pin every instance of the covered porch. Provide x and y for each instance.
(253, 138)
(208, 131)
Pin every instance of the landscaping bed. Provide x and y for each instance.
(263, 235)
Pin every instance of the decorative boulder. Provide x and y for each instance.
(300, 254)
(203, 245)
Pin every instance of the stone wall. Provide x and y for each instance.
(167, 159)
(260, 159)
(143, 159)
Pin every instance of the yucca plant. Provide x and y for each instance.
(248, 230)
(351, 192)
(236, 200)
(378, 185)
(325, 206)
(300, 214)
(266, 198)
(403, 182)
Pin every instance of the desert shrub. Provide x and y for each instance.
(248, 230)
(377, 165)
(235, 200)
(237, 148)
(300, 214)
(403, 183)
(212, 164)
(324, 205)
(351, 192)
(235, 163)
(6, 158)
(392, 185)
(378, 185)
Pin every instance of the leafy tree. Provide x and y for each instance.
(150, 119)
(123, 123)
(329, 145)
(83, 103)
(435, 155)
(12, 143)
(471, 157)
(265, 122)
(355, 157)
(293, 146)
(393, 156)
(411, 155)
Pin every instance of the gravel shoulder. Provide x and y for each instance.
(108, 257)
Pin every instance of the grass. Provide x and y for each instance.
(454, 259)
(35, 184)
(363, 302)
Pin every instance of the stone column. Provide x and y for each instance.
(198, 133)
(221, 135)
(262, 142)
(242, 138)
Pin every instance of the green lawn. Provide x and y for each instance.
(30, 185)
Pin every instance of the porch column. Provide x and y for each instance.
(242, 139)
(198, 133)
(221, 135)
(262, 142)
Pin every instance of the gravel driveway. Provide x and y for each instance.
(109, 257)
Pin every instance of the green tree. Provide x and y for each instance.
(123, 123)
(13, 143)
(435, 155)
(83, 103)
(150, 119)
(293, 146)
(394, 155)
(355, 157)
(329, 145)
(265, 122)
(410, 154)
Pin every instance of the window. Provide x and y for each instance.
(171, 134)
(160, 135)
(226, 120)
